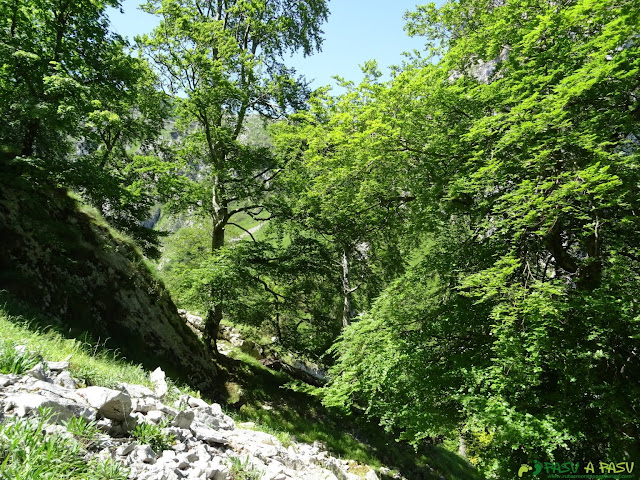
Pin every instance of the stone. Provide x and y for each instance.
(136, 391)
(205, 434)
(126, 449)
(157, 378)
(64, 379)
(144, 404)
(112, 404)
(6, 380)
(183, 419)
(195, 402)
(371, 475)
(38, 372)
(155, 416)
(143, 454)
(213, 416)
(61, 408)
(57, 366)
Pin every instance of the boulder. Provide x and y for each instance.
(62, 409)
(205, 434)
(213, 416)
(112, 404)
(183, 419)
(159, 382)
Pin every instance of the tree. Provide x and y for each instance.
(54, 52)
(224, 60)
(331, 192)
(523, 143)
(74, 101)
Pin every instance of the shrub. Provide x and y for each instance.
(243, 470)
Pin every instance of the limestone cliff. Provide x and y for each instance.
(60, 257)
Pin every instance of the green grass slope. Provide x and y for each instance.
(61, 258)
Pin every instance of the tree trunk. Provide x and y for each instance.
(30, 138)
(346, 290)
(219, 220)
(462, 447)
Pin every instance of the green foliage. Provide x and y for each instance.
(224, 64)
(81, 108)
(86, 432)
(152, 435)
(17, 361)
(243, 470)
(27, 452)
(519, 144)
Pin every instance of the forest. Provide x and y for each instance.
(455, 240)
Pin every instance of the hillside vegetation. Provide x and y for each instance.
(456, 244)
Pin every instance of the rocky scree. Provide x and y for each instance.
(201, 441)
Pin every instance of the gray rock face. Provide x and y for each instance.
(213, 416)
(204, 437)
(111, 404)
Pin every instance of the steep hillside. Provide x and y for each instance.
(61, 257)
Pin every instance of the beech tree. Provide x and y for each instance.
(223, 61)
(521, 320)
(74, 102)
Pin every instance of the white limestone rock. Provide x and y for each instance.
(158, 379)
(205, 434)
(112, 404)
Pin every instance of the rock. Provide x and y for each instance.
(126, 449)
(195, 402)
(155, 416)
(160, 387)
(105, 425)
(61, 408)
(172, 412)
(183, 419)
(206, 434)
(213, 416)
(38, 372)
(144, 404)
(136, 391)
(193, 320)
(64, 379)
(112, 404)
(143, 454)
(57, 366)
(371, 475)
(6, 380)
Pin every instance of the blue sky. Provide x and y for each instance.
(357, 31)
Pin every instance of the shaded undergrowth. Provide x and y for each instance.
(263, 396)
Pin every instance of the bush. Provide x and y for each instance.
(242, 470)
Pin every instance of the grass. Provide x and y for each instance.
(149, 434)
(27, 453)
(289, 415)
(90, 360)
(243, 470)
(15, 360)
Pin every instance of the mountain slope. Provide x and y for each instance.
(61, 257)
